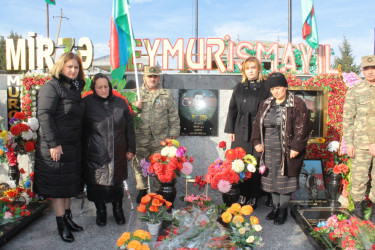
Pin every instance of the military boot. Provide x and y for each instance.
(358, 210)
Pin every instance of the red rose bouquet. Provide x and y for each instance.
(237, 167)
(171, 161)
(20, 139)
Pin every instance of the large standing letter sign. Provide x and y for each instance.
(41, 50)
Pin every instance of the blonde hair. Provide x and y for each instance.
(259, 68)
(59, 64)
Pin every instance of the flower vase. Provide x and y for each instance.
(333, 189)
(14, 174)
(232, 196)
(168, 191)
(154, 228)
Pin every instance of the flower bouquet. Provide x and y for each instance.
(342, 232)
(20, 139)
(135, 240)
(154, 206)
(243, 232)
(237, 167)
(171, 161)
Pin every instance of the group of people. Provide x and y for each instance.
(272, 124)
(90, 140)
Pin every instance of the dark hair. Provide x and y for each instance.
(277, 80)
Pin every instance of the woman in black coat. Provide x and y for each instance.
(242, 110)
(109, 142)
(58, 149)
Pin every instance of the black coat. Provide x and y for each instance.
(108, 135)
(60, 118)
(243, 107)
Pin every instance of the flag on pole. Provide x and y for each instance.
(51, 2)
(309, 29)
(120, 42)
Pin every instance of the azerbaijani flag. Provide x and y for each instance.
(309, 30)
(50, 2)
(120, 43)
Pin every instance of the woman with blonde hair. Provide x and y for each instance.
(58, 172)
(243, 107)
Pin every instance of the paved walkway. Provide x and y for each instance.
(42, 233)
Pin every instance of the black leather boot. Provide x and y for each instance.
(69, 219)
(140, 195)
(118, 213)
(63, 229)
(272, 215)
(358, 210)
(281, 217)
(101, 214)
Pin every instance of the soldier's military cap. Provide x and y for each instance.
(368, 61)
(151, 71)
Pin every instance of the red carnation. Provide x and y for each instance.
(222, 144)
(16, 130)
(22, 171)
(29, 146)
(230, 154)
(19, 115)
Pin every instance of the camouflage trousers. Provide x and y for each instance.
(146, 146)
(360, 170)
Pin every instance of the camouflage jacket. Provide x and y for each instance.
(355, 111)
(159, 115)
(370, 118)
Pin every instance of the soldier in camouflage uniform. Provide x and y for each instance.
(358, 131)
(160, 120)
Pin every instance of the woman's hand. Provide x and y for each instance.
(231, 137)
(56, 153)
(129, 156)
(138, 103)
(293, 154)
(259, 148)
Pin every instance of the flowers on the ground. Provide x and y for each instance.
(199, 200)
(154, 207)
(171, 161)
(342, 232)
(243, 231)
(134, 240)
(237, 167)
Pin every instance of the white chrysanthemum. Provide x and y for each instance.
(172, 151)
(33, 123)
(250, 239)
(28, 135)
(251, 168)
(257, 227)
(238, 166)
(165, 151)
(333, 146)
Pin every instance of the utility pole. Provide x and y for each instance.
(47, 19)
(196, 30)
(58, 29)
(289, 21)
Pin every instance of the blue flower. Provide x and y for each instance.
(242, 175)
(28, 183)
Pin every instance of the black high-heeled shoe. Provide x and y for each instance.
(63, 229)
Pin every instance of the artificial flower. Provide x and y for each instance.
(226, 217)
(246, 210)
(238, 165)
(262, 169)
(250, 239)
(187, 168)
(242, 230)
(251, 168)
(333, 146)
(257, 227)
(224, 186)
(254, 220)
(222, 144)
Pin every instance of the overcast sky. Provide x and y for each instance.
(251, 20)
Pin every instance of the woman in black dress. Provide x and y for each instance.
(108, 143)
(58, 172)
(243, 107)
(280, 133)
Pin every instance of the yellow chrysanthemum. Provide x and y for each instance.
(175, 143)
(238, 219)
(235, 208)
(142, 234)
(249, 159)
(242, 230)
(247, 210)
(134, 244)
(123, 238)
(4, 136)
(254, 220)
(226, 217)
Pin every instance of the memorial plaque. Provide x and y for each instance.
(198, 111)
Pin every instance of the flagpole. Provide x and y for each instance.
(47, 20)
(133, 50)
